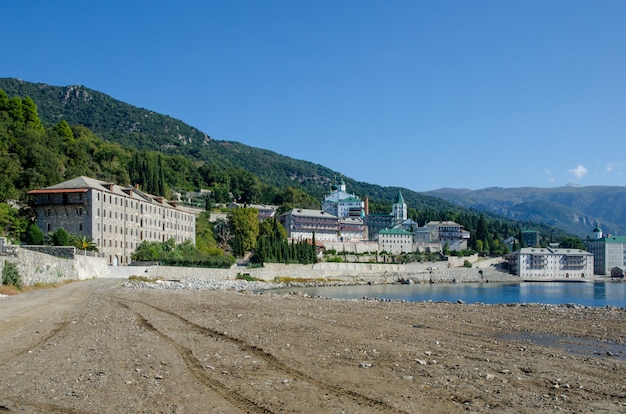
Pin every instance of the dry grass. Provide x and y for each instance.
(12, 290)
(286, 279)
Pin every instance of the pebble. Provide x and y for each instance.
(205, 284)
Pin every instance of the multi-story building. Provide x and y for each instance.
(535, 262)
(531, 238)
(302, 223)
(265, 212)
(398, 218)
(116, 218)
(609, 253)
(446, 232)
(395, 241)
(343, 204)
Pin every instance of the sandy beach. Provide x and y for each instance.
(99, 346)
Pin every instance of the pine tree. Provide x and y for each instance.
(31, 118)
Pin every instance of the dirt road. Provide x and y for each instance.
(99, 347)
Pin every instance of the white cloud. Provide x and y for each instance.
(579, 172)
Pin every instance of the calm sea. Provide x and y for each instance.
(586, 294)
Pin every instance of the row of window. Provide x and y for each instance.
(149, 208)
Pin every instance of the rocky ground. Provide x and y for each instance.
(104, 346)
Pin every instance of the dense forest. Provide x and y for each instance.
(39, 151)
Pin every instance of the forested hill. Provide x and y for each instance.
(49, 134)
(143, 129)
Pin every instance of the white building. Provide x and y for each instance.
(343, 204)
(542, 263)
(395, 241)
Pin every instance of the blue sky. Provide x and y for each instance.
(415, 94)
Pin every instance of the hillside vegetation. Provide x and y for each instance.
(50, 134)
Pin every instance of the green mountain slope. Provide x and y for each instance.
(143, 129)
(160, 152)
(573, 209)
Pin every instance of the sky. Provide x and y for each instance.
(415, 94)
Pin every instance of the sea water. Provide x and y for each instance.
(585, 294)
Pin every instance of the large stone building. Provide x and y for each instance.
(542, 263)
(340, 219)
(398, 218)
(395, 241)
(116, 218)
(302, 224)
(609, 253)
(443, 232)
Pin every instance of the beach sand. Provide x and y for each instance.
(99, 347)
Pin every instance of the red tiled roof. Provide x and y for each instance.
(58, 190)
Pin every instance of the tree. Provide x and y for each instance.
(4, 100)
(60, 238)
(244, 225)
(16, 111)
(85, 243)
(572, 243)
(34, 235)
(10, 275)
(31, 118)
(64, 131)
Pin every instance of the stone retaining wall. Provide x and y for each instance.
(380, 273)
(358, 271)
(36, 267)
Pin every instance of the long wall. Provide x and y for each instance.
(36, 267)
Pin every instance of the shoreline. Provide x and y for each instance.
(99, 344)
(265, 287)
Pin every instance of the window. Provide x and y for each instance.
(80, 226)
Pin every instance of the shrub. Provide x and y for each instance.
(467, 263)
(10, 275)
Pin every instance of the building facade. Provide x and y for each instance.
(538, 263)
(395, 241)
(531, 238)
(302, 223)
(447, 232)
(609, 254)
(343, 204)
(116, 218)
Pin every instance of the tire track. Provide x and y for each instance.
(197, 370)
(39, 343)
(273, 362)
(45, 407)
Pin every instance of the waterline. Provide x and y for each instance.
(585, 294)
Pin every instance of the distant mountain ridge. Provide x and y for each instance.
(573, 209)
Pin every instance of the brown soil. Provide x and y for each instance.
(98, 347)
